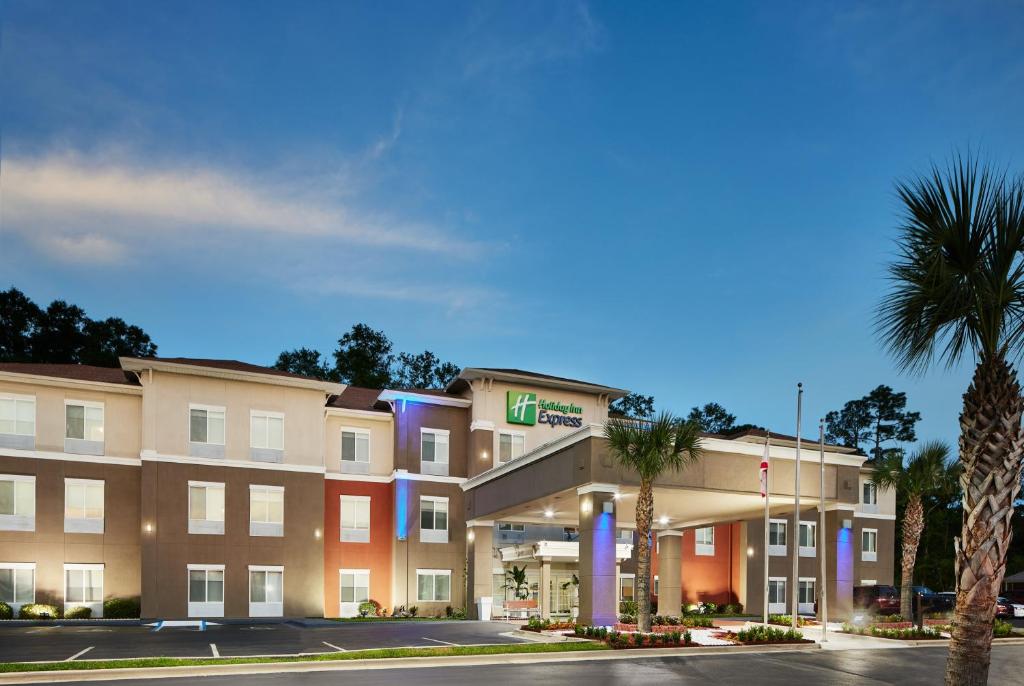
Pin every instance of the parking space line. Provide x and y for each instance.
(331, 645)
(438, 641)
(79, 654)
(213, 647)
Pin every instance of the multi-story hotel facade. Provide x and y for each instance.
(212, 488)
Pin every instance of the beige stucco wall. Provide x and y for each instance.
(489, 405)
(382, 442)
(166, 415)
(121, 416)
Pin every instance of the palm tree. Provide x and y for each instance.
(516, 580)
(958, 290)
(926, 476)
(650, 448)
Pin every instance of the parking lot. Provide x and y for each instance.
(77, 642)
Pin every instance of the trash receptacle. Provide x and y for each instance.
(483, 609)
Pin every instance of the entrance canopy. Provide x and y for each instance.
(556, 551)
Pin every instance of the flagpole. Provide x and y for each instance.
(795, 595)
(765, 475)
(822, 550)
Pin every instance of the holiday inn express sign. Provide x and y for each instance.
(525, 408)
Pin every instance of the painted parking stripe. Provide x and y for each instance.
(79, 654)
(439, 641)
(213, 647)
(331, 645)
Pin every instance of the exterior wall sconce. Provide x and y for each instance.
(316, 534)
(608, 507)
(483, 455)
(148, 528)
(750, 552)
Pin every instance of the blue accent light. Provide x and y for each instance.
(401, 508)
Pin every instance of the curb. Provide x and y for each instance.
(386, 663)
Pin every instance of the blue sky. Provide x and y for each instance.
(688, 200)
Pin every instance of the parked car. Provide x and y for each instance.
(1007, 609)
(882, 600)
(944, 601)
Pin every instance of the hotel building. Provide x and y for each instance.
(213, 488)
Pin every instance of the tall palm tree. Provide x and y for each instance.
(926, 476)
(650, 448)
(958, 290)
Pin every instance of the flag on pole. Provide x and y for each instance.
(764, 472)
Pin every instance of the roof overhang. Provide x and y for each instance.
(473, 373)
(64, 382)
(390, 396)
(556, 551)
(134, 364)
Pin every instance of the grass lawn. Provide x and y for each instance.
(383, 653)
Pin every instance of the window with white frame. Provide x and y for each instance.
(434, 585)
(656, 584)
(807, 594)
(266, 510)
(354, 589)
(266, 591)
(83, 587)
(206, 430)
(870, 493)
(355, 518)
(624, 536)
(511, 444)
(205, 507)
(83, 506)
(266, 436)
(205, 590)
(777, 594)
(433, 519)
(83, 427)
(17, 584)
(514, 528)
(705, 537)
(777, 536)
(17, 502)
(18, 421)
(434, 451)
(627, 587)
(869, 545)
(808, 539)
(355, 450)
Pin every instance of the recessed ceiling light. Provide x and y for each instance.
(549, 513)
(663, 520)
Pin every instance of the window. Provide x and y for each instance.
(777, 594)
(511, 444)
(266, 510)
(808, 539)
(266, 436)
(518, 528)
(206, 431)
(355, 589)
(433, 519)
(870, 494)
(83, 587)
(777, 536)
(627, 583)
(434, 451)
(17, 502)
(656, 584)
(624, 536)
(83, 506)
(17, 584)
(869, 545)
(83, 427)
(355, 518)
(868, 582)
(266, 591)
(434, 585)
(355, 450)
(205, 507)
(570, 533)
(18, 421)
(705, 541)
(807, 595)
(206, 590)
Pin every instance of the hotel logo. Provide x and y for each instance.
(521, 408)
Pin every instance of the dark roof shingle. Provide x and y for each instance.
(358, 398)
(79, 372)
(232, 365)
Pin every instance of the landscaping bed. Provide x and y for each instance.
(759, 634)
(909, 633)
(538, 625)
(787, 620)
(619, 639)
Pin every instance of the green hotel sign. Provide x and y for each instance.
(525, 408)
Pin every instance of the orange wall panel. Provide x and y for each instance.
(375, 555)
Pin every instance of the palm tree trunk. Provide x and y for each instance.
(644, 514)
(991, 446)
(913, 525)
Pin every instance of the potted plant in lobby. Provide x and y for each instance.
(650, 448)
(574, 584)
(927, 476)
(515, 580)
(958, 292)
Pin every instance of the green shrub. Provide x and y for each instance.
(628, 607)
(904, 634)
(658, 620)
(627, 619)
(121, 608)
(371, 608)
(1002, 629)
(698, 622)
(38, 611)
(78, 613)
(638, 639)
(733, 609)
(687, 637)
(760, 633)
(5, 611)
